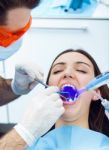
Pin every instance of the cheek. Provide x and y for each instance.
(84, 80)
(85, 99)
(53, 81)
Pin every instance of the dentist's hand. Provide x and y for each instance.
(25, 78)
(41, 115)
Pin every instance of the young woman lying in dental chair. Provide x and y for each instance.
(83, 125)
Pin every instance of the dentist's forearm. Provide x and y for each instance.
(12, 141)
(6, 93)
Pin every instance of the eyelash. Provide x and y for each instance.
(56, 72)
(82, 71)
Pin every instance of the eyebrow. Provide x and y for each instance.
(60, 63)
(81, 62)
(78, 62)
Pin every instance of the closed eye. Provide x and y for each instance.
(82, 71)
(56, 72)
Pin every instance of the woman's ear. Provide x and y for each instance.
(96, 95)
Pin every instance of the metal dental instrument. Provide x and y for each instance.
(45, 85)
(41, 82)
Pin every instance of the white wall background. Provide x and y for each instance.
(46, 39)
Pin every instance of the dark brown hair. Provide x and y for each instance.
(97, 119)
(6, 5)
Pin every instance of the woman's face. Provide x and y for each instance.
(75, 69)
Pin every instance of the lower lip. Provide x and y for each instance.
(69, 103)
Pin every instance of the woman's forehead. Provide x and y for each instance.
(72, 57)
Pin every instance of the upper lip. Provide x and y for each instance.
(67, 82)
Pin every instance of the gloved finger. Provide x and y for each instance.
(21, 72)
(31, 70)
(39, 76)
(62, 110)
(32, 85)
(59, 103)
(54, 97)
(50, 90)
(33, 79)
(59, 112)
(20, 69)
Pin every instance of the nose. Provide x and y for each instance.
(67, 76)
(68, 73)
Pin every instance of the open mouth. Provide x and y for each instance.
(68, 93)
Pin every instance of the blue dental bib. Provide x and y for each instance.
(72, 138)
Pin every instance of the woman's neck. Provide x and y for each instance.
(81, 122)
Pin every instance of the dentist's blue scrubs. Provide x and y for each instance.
(72, 138)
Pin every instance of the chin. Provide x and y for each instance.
(67, 117)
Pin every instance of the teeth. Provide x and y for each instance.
(70, 100)
(67, 85)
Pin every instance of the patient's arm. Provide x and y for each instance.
(6, 93)
(12, 141)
